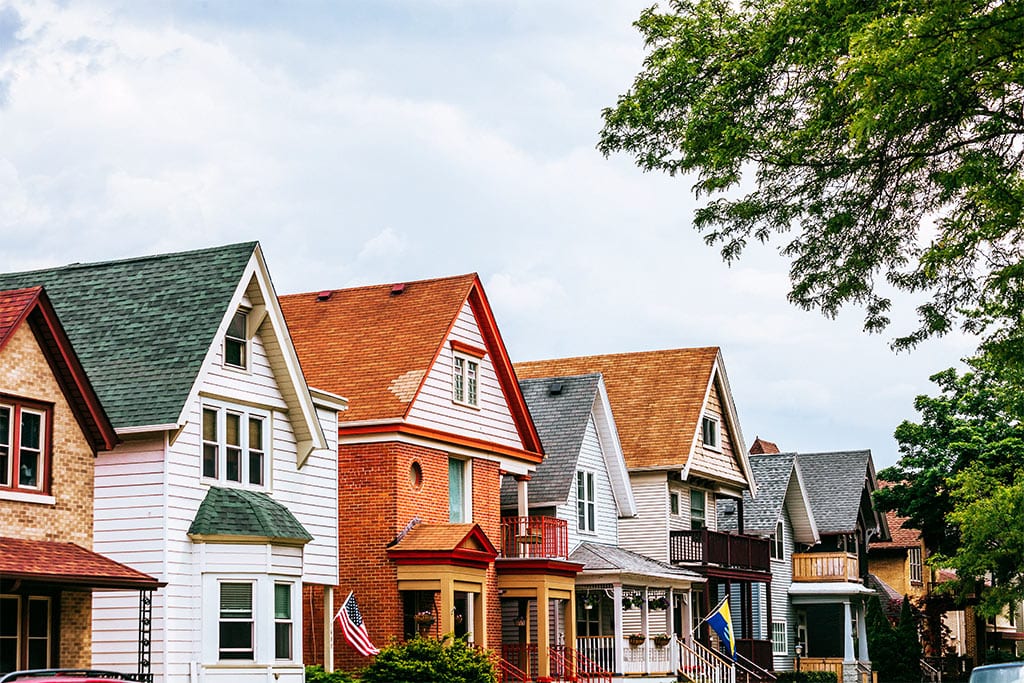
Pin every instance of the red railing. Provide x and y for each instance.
(570, 666)
(510, 673)
(702, 546)
(523, 657)
(534, 537)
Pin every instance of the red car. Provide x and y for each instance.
(66, 676)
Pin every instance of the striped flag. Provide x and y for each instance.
(353, 628)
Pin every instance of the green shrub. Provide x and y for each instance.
(428, 660)
(316, 674)
(806, 677)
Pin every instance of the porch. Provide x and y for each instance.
(826, 567)
(534, 538)
(706, 547)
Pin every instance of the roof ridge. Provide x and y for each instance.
(446, 278)
(585, 375)
(623, 354)
(135, 259)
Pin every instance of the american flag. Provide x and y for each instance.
(353, 628)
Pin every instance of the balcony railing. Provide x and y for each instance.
(703, 546)
(534, 537)
(825, 567)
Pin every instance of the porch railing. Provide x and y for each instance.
(534, 537)
(703, 546)
(510, 673)
(834, 664)
(757, 652)
(599, 649)
(570, 666)
(699, 663)
(522, 656)
(825, 567)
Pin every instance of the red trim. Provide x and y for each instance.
(459, 557)
(444, 437)
(544, 567)
(468, 349)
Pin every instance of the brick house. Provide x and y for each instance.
(51, 427)
(222, 483)
(436, 419)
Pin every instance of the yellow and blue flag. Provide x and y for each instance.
(721, 621)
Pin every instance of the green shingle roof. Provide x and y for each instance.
(238, 512)
(142, 326)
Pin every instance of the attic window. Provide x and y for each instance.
(710, 433)
(236, 342)
(465, 379)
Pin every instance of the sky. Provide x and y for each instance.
(378, 141)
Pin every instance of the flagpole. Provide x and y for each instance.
(708, 616)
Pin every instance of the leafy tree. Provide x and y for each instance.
(883, 139)
(427, 660)
(908, 645)
(881, 640)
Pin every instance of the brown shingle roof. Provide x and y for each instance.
(657, 398)
(435, 537)
(762, 447)
(66, 563)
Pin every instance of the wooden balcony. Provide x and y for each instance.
(706, 547)
(534, 538)
(825, 567)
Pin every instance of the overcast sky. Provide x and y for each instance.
(390, 140)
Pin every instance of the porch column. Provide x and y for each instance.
(570, 621)
(522, 497)
(862, 633)
(447, 608)
(329, 628)
(543, 631)
(619, 634)
(645, 629)
(847, 633)
(670, 629)
(469, 618)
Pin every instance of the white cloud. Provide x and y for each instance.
(385, 244)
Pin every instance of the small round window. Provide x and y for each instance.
(416, 475)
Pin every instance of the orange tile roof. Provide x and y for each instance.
(435, 537)
(762, 447)
(902, 537)
(67, 563)
(361, 342)
(657, 398)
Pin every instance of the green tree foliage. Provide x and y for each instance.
(428, 660)
(316, 674)
(881, 640)
(961, 478)
(881, 139)
(908, 645)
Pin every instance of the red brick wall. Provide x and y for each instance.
(377, 499)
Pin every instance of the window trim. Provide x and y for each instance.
(586, 505)
(716, 429)
(467, 490)
(244, 341)
(704, 508)
(14, 489)
(466, 389)
(246, 416)
(777, 547)
(289, 621)
(915, 569)
(674, 503)
(252, 620)
(785, 637)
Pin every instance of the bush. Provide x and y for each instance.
(316, 674)
(428, 660)
(806, 677)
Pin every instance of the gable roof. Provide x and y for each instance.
(658, 398)
(606, 559)
(376, 344)
(836, 484)
(135, 319)
(779, 483)
(67, 563)
(239, 513)
(761, 447)
(32, 306)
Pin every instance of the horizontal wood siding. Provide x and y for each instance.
(434, 407)
(647, 533)
(129, 527)
(719, 463)
(606, 523)
(782, 579)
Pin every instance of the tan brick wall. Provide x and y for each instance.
(75, 630)
(24, 373)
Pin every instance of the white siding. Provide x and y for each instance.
(434, 407)
(647, 533)
(782, 579)
(592, 460)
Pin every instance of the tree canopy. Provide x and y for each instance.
(960, 477)
(880, 140)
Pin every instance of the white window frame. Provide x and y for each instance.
(711, 425)
(290, 620)
(586, 502)
(467, 491)
(916, 568)
(252, 620)
(704, 519)
(245, 448)
(780, 627)
(244, 341)
(778, 542)
(466, 379)
(674, 501)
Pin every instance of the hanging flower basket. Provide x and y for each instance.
(424, 617)
(658, 603)
(591, 600)
(637, 639)
(631, 601)
(661, 639)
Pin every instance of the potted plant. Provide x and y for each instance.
(636, 639)
(660, 603)
(591, 600)
(661, 639)
(424, 620)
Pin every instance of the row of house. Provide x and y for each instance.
(194, 473)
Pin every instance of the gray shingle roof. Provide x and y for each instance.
(597, 558)
(142, 326)
(239, 512)
(761, 514)
(561, 421)
(835, 484)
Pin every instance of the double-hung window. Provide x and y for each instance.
(236, 639)
(236, 342)
(283, 621)
(234, 445)
(916, 570)
(778, 543)
(779, 634)
(586, 508)
(698, 520)
(710, 433)
(24, 447)
(26, 629)
(465, 379)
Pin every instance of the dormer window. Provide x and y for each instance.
(465, 379)
(710, 434)
(236, 342)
